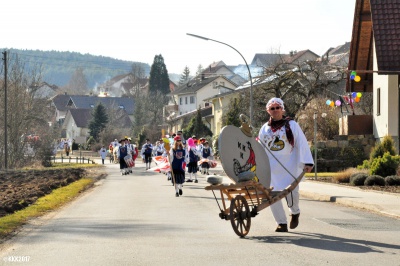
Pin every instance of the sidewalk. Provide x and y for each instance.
(383, 203)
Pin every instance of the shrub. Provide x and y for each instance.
(386, 145)
(385, 165)
(392, 180)
(366, 165)
(374, 180)
(358, 179)
(344, 176)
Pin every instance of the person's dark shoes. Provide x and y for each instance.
(180, 192)
(207, 173)
(196, 181)
(281, 228)
(294, 222)
(189, 180)
(176, 195)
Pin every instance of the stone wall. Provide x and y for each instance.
(343, 151)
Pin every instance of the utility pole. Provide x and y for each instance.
(5, 111)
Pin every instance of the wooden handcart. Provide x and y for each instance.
(241, 154)
(246, 199)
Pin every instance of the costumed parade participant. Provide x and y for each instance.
(122, 152)
(178, 157)
(103, 154)
(133, 151)
(206, 152)
(160, 148)
(193, 159)
(147, 152)
(283, 137)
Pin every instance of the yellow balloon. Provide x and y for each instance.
(357, 78)
(165, 140)
(332, 104)
(359, 94)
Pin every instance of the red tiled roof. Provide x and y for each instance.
(386, 28)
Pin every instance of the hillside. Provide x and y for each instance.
(58, 67)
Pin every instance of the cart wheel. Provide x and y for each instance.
(240, 216)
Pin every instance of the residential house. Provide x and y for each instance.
(176, 123)
(375, 56)
(233, 73)
(62, 103)
(190, 96)
(261, 61)
(76, 124)
(338, 56)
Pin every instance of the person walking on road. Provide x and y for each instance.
(178, 157)
(122, 152)
(193, 154)
(283, 137)
(147, 152)
(103, 154)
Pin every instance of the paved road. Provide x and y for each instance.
(137, 220)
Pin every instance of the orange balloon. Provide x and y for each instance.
(357, 99)
(332, 104)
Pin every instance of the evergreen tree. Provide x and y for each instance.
(98, 122)
(185, 76)
(232, 116)
(159, 79)
(197, 127)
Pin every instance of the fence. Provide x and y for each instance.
(70, 159)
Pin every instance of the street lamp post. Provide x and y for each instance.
(315, 145)
(248, 69)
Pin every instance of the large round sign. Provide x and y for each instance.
(240, 153)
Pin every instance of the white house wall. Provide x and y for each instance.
(386, 122)
(204, 93)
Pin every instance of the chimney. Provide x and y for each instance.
(202, 76)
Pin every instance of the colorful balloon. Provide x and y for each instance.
(357, 78)
(352, 77)
(328, 102)
(353, 73)
(356, 99)
(354, 94)
(338, 103)
(359, 94)
(332, 104)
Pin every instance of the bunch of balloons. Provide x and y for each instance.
(333, 103)
(354, 76)
(355, 97)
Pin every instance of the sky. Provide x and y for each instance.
(140, 30)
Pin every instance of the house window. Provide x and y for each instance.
(186, 102)
(92, 106)
(378, 101)
(191, 99)
(121, 106)
(215, 84)
(180, 101)
(222, 84)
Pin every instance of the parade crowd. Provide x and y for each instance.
(192, 156)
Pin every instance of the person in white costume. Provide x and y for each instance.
(284, 138)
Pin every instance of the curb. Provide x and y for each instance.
(348, 203)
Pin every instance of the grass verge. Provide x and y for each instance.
(52, 201)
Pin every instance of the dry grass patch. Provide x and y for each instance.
(54, 200)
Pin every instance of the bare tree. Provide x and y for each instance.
(26, 114)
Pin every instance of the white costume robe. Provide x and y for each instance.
(293, 158)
